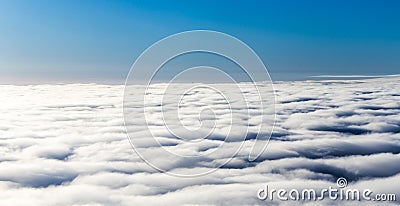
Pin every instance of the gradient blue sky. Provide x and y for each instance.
(99, 40)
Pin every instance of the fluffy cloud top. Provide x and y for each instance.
(66, 145)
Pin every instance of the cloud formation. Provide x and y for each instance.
(66, 145)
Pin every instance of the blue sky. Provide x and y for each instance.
(99, 40)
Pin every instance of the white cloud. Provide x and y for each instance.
(66, 145)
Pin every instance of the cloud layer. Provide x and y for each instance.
(66, 145)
